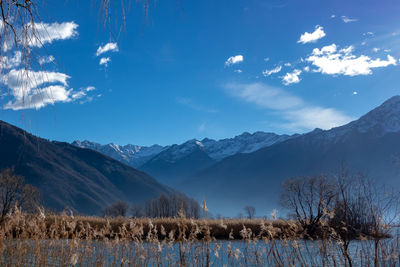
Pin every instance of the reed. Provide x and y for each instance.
(61, 240)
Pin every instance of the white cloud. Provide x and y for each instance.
(104, 61)
(348, 20)
(355, 93)
(306, 69)
(266, 59)
(273, 71)
(234, 60)
(376, 49)
(45, 60)
(238, 71)
(22, 81)
(332, 61)
(78, 95)
(90, 88)
(333, 16)
(312, 37)
(298, 114)
(11, 62)
(291, 78)
(109, 47)
(47, 33)
(40, 98)
(37, 89)
(288, 64)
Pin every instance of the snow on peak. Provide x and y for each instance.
(378, 122)
(381, 120)
(199, 143)
(244, 143)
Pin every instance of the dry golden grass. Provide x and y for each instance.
(40, 240)
(97, 228)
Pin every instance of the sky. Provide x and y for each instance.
(196, 69)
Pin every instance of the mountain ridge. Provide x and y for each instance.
(69, 176)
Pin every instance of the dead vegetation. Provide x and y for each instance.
(66, 240)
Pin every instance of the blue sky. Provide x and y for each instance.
(207, 68)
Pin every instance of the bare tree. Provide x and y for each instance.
(309, 199)
(172, 205)
(14, 192)
(137, 211)
(116, 209)
(250, 211)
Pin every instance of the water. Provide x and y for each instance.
(217, 253)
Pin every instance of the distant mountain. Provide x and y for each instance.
(172, 163)
(132, 155)
(178, 162)
(67, 175)
(370, 145)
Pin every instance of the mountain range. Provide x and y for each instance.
(174, 163)
(68, 176)
(249, 169)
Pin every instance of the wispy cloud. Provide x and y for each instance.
(188, 102)
(234, 60)
(308, 37)
(348, 20)
(109, 47)
(46, 59)
(264, 96)
(202, 127)
(292, 77)
(273, 71)
(298, 114)
(330, 60)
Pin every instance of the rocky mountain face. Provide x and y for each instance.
(68, 176)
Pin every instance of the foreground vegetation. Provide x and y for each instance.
(41, 240)
(334, 221)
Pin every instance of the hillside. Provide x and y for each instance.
(66, 175)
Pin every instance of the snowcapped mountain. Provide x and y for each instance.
(244, 143)
(132, 155)
(216, 150)
(378, 122)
